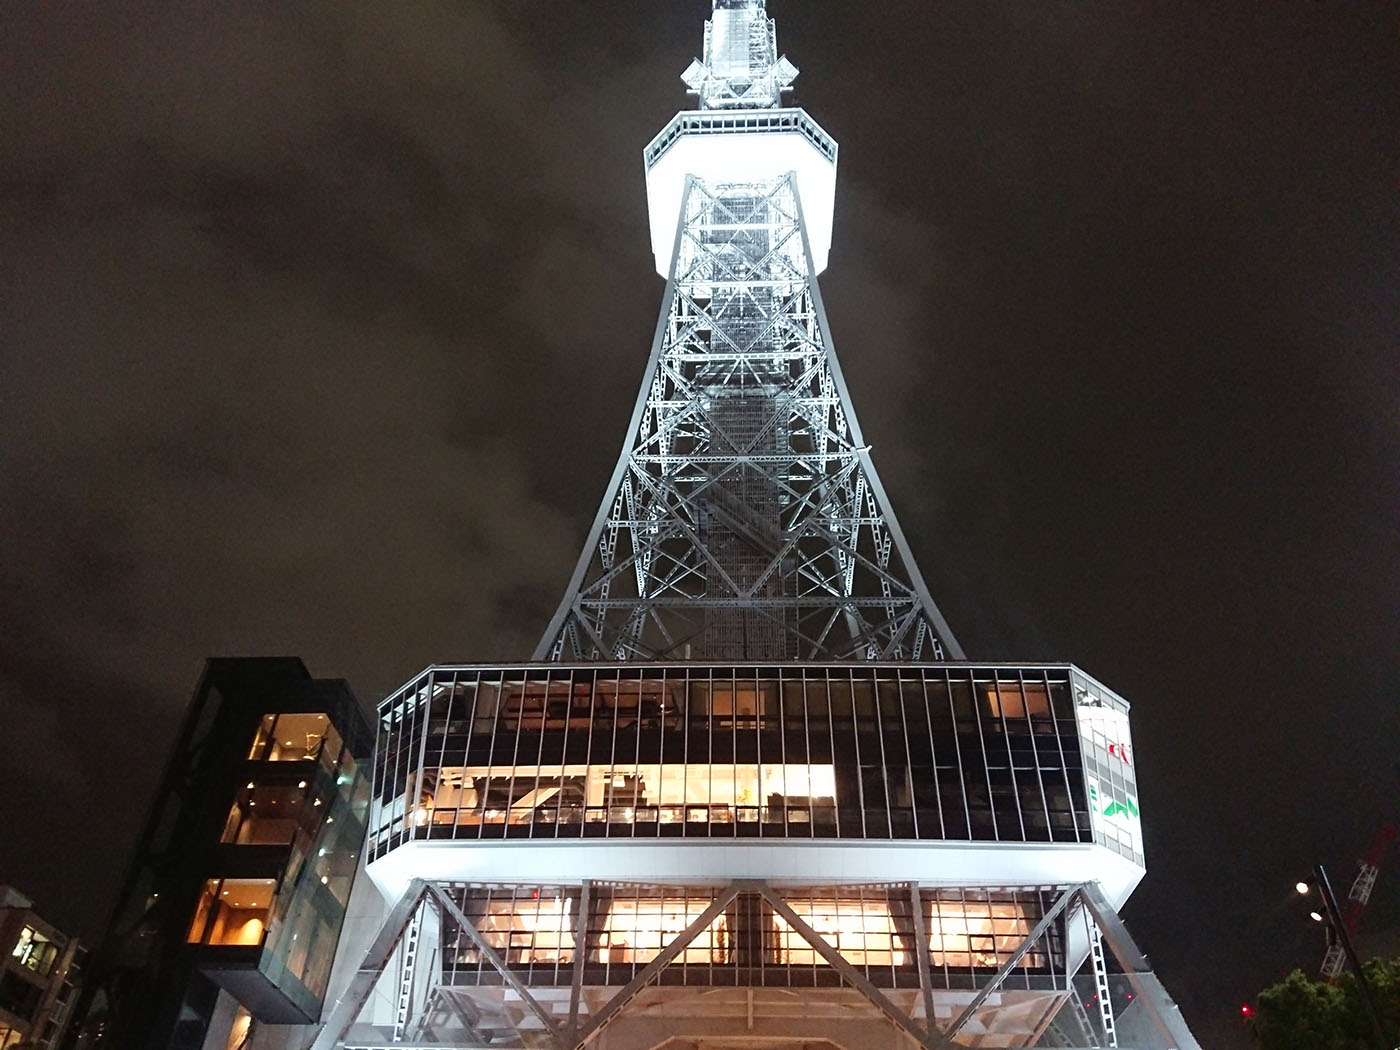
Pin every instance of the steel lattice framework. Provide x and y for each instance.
(560, 1010)
(745, 520)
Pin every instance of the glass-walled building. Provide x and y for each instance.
(231, 914)
(952, 753)
(270, 940)
(987, 787)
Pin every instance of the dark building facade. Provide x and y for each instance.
(234, 901)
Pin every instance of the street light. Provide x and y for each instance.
(1336, 927)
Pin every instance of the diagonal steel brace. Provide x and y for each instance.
(498, 964)
(668, 955)
(1026, 945)
(897, 1017)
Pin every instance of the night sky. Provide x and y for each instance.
(320, 325)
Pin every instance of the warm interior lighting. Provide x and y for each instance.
(537, 929)
(291, 737)
(239, 921)
(636, 931)
(668, 793)
(978, 933)
(863, 931)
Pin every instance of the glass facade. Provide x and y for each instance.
(534, 929)
(932, 751)
(233, 911)
(307, 915)
(303, 797)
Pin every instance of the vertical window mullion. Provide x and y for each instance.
(442, 753)
(977, 706)
(830, 730)
(612, 754)
(855, 740)
(1035, 755)
(1006, 723)
(908, 755)
(933, 754)
(884, 759)
(957, 748)
(467, 758)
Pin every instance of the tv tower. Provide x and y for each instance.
(750, 793)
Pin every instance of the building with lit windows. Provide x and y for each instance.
(232, 909)
(39, 966)
(749, 792)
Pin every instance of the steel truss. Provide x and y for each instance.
(745, 520)
(564, 1014)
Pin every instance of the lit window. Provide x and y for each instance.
(623, 794)
(534, 929)
(1007, 700)
(863, 931)
(270, 814)
(295, 738)
(979, 934)
(636, 930)
(35, 951)
(232, 912)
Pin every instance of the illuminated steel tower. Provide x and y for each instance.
(750, 793)
(745, 520)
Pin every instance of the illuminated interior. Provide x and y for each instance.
(636, 930)
(232, 912)
(272, 813)
(959, 754)
(295, 738)
(1013, 700)
(669, 794)
(34, 951)
(972, 933)
(863, 931)
(537, 929)
(241, 1029)
(871, 928)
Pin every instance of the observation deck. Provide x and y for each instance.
(740, 147)
(947, 774)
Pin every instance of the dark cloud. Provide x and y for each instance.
(322, 324)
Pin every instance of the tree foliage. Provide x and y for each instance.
(1300, 1013)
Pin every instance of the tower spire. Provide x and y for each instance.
(741, 68)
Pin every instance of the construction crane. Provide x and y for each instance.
(1368, 867)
